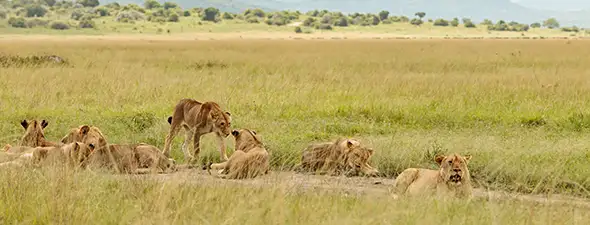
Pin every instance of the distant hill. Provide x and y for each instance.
(474, 9)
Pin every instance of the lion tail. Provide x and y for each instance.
(170, 120)
(404, 179)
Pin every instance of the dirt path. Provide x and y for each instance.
(358, 186)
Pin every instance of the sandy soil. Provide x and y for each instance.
(238, 35)
(350, 186)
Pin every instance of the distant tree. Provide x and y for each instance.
(298, 30)
(150, 4)
(441, 22)
(313, 13)
(254, 12)
(341, 22)
(173, 17)
(186, 13)
(465, 20)
(35, 11)
(536, 25)
(404, 19)
(455, 22)
(416, 22)
(210, 14)
(468, 24)
(383, 15)
(89, 3)
(48, 2)
(227, 16)
(170, 5)
(570, 29)
(487, 22)
(373, 20)
(420, 14)
(551, 23)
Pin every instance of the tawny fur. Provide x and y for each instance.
(127, 158)
(250, 159)
(452, 179)
(74, 155)
(34, 137)
(198, 119)
(343, 156)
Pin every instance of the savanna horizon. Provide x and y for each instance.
(517, 106)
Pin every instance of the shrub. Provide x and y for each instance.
(441, 22)
(416, 22)
(17, 22)
(298, 30)
(383, 15)
(173, 17)
(254, 12)
(325, 26)
(536, 25)
(252, 19)
(469, 24)
(151, 4)
(35, 11)
(227, 16)
(373, 20)
(36, 22)
(77, 14)
(170, 5)
(102, 11)
(570, 29)
(59, 25)
(3, 14)
(455, 22)
(88, 3)
(210, 14)
(130, 15)
(308, 22)
(186, 13)
(86, 23)
(342, 22)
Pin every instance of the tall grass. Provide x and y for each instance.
(408, 99)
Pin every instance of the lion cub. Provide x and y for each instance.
(248, 161)
(452, 179)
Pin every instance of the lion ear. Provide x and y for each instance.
(84, 130)
(25, 124)
(76, 147)
(235, 133)
(226, 112)
(349, 144)
(439, 159)
(371, 151)
(467, 158)
(44, 124)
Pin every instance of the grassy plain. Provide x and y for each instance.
(409, 99)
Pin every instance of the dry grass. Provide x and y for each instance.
(409, 99)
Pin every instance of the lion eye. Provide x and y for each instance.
(222, 123)
(450, 161)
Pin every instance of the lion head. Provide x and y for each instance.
(79, 152)
(91, 136)
(221, 122)
(34, 135)
(453, 168)
(357, 157)
(246, 139)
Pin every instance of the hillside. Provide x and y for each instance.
(474, 9)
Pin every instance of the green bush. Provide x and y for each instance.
(59, 25)
(35, 11)
(86, 23)
(325, 26)
(210, 14)
(36, 22)
(298, 30)
(17, 22)
(173, 17)
(441, 22)
(416, 22)
(102, 11)
(3, 14)
(186, 13)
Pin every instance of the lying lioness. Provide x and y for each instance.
(248, 161)
(452, 179)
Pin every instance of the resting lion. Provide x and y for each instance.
(128, 158)
(343, 156)
(33, 137)
(451, 179)
(198, 119)
(73, 154)
(248, 161)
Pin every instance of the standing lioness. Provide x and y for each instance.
(452, 179)
(198, 119)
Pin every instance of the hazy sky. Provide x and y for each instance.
(555, 4)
